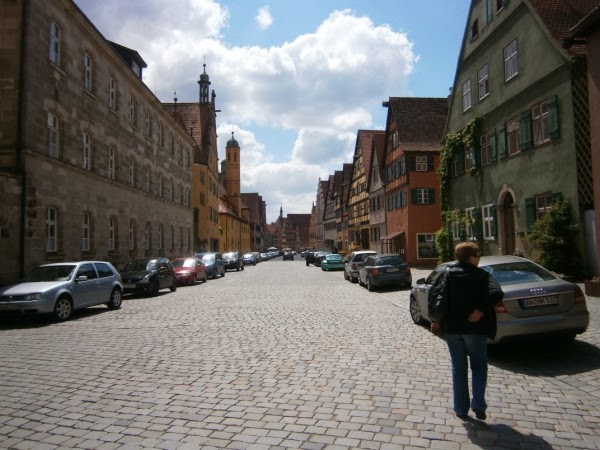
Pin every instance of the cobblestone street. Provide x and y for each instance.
(280, 355)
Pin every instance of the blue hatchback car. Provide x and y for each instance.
(213, 261)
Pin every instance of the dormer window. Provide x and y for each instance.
(136, 69)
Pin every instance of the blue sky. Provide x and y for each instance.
(295, 80)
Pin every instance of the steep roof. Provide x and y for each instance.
(420, 121)
(560, 16)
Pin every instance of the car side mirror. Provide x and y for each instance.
(421, 281)
(82, 278)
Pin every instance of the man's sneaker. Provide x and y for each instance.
(480, 414)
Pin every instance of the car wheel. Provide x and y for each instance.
(116, 299)
(415, 311)
(205, 278)
(194, 280)
(154, 288)
(360, 283)
(370, 286)
(174, 285)
(223, 273)
(346, 277)
(63, 309)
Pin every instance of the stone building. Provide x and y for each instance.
(91, 163)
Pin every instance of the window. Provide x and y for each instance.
(161, 241)
(51, 229)
(112, 94)
(87, 165)
(512, 136)
(542, 204)
(456, 230)
(483, 82)
(395, 139)
(454, 166)
(487, 218)
(541, 132)
(469, 159)
(87, 72)
(499, 5)
(135, 68)
(112, 233)
(426, 246)
(159, 131)
(485, 150)
(470, 219)
(466, 95)
(111, 162)
(132, 111)
(52, 135)
(421, 163)
(422, 196)
(132, 235)
(131, 172)
(147, 237)
(172, 190)
(511, 63)
(85, 233)
(147, 125)
(54, 48)
(146, 179)
(475, 29)
(160, 185)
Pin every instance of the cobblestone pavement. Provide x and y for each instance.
(280, 355)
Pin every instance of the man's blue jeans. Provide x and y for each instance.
(464, 348)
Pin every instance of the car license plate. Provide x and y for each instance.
(7, 307)
(393, 269)
(539, 301)
(129, 286)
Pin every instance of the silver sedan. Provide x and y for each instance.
(536, 302)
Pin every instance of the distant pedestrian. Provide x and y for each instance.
(470, 319)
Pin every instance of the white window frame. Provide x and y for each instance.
(541, 129)
(511, 60)
(483, 82)
(51, 229)
(456, 230)
(54, 46)
(466, 95)
(469, 158)
(485, 150)
(487, 219)
(111, 162)
(422, 196)
(52, 135)
(87, 151)
(512, 136)
(87, 71)
(421, 164)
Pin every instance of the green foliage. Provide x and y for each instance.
(553, 236)
(443, 244)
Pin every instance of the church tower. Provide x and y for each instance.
(232, 174)
(204, 83)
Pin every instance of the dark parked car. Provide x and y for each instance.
(310, 257)
(233, 260)
(250, 259)
(288, 255)
(388, 269)
(213, 262)
(536, 302)
(148, 276)
(61, 288)
(189, 270)
(318, 257)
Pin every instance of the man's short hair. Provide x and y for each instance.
(464, 250)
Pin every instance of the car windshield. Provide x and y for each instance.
(248, 255)
(229, 255)
(189, 263)
(208, 258)
(50, 273)
(334, 257)
(140, 265)
(361, 257)
(518, 273)
(389, 260)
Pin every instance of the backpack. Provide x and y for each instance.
(437, 299)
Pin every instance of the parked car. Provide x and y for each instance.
(318, 257)
(233, 260)
(264, 256)
(213, 262)
(189, 270)
(148, 276)
(388, 269)
(250, 259)
(333, 261)
(536, 302)
(61, 288)
(288, 255)
(354, 262)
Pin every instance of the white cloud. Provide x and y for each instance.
(324, 85)
(263, 18)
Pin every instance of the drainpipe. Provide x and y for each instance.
(20, 158)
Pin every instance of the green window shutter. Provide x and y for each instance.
(477, 224)
(431, 196)
(529, 213)
(556, 196)
(501, 141)
(492, 140)
(525, 141)
(430, 164)
(412, 163)
(414, 197)
(460, 163)
(553, 118)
